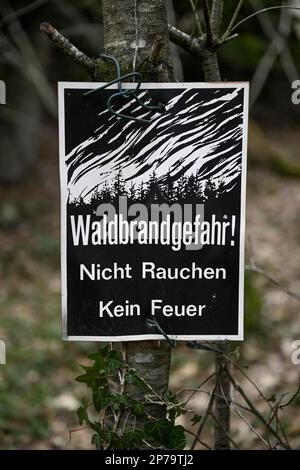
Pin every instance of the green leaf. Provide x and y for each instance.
(176, 439)
(120, 401)
(133, 378)
(97, 441)
(92, 378)
(132, 439)
(196, 419)
(100, 353)
(114, 362)
(83, 415)
(99, 358)
(137, 408)
(100, 398)
(166, 433)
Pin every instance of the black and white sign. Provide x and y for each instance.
(153, 215)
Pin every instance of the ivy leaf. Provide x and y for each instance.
(83, 415)
(93, 378)
(114, 362)
(137, 408)
(100, 353)
(133, 378)
(97, 441)
(132, 439)
(165, 432)
(176, 439)
(175, 411)
(100, 398)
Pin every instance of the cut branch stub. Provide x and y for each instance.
(65, 45)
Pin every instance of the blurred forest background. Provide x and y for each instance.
(38, 395)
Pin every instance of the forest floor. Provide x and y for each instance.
(38, 395)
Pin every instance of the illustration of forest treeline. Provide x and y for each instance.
(187, 189)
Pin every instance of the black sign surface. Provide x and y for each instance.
(153, 213)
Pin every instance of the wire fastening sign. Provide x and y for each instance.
(153, 214)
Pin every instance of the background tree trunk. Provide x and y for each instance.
(133, 29)
(211, 71)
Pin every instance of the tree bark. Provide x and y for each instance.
(130, 30)
(222, 400)
(210, 66)
(136, 33)
(216, 16)
(222, 390)
(211, 71)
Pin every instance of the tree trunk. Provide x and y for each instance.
(133, 29)
(222, 400)
(210, 67)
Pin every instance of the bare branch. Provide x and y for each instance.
(222, 41)
(290, 401)
(232, 21)
(186, 42)
(197, 439)
(256, 412)
(28, 61)
(204, 419)
(262, 11)
(62, 43)
(216, 16)
(278, 48)
(10, 17)
(196, 390)
(242, 417)
(196, 17)
(209, 33)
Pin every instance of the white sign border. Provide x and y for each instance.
(63, 196)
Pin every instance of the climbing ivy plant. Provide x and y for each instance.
(112, 413)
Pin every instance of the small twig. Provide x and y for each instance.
(22, 11)
(256, 412)
(29, 61)
(196, 17)
(227, 39)
(262, 11)
(242, 417)
(204, 419)
(197, 439)
(209, 33)
(274, 415)
(70, 431)
(276, 408)
(156, 50)
(278, 48)
(232, 21)
(63, 44)
(290, 401)
(273, 280)
(199, 388)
